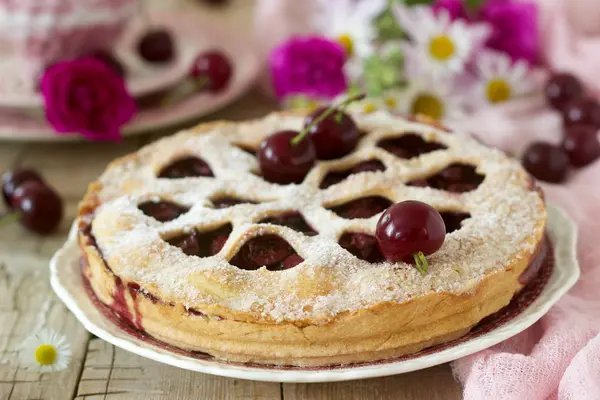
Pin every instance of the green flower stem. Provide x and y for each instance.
(421, 263)
(9, 218)
(325, 114)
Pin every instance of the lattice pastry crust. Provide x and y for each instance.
(333, 307)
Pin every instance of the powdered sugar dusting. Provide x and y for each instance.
(506, 217)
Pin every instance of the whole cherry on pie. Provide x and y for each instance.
(211, 70)
(11, 180)
(408, 231)
(40, 208)
(546, 162)
(334, 136)
(581, 145)
(157, 46)
(284, 161)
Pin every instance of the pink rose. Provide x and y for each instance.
(85, 96)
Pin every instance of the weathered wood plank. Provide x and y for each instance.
(434, 383)
(118, 374)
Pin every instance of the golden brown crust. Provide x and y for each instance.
(383, 329)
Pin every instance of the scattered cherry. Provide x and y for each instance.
(157, 46)
(582, 111)
(282, 161)
(12, 179)
(410, 230)
(211, 71)
(546, 162)
(334, 136)
(39, 206)
(581, 145)
(110, 60)
(562, 88)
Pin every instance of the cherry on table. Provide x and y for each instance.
(581, 145)
(157, 46)
(334, 136)
(409, 228)
(212, 71)
(546, 162)
(583, 111)
(41, 208)
(282, 161)
(12, 179)
(562, 88)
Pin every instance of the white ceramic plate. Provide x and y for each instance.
(67, 282)
(194, 33)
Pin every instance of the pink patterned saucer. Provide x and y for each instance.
(21, 107)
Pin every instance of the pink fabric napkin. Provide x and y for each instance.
(558, 357)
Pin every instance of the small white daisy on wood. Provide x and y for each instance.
(45, 351)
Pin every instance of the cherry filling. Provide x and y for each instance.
(365, 207)
(162, 211)
(293, 220)
(409, 145)
(226, 202)
(270, 251)
(186, 167)
(202, 244)
(362, 246)
(334, 177)
(453, 220)
(456, 178)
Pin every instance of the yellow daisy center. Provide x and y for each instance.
(368, 108)
(390, 102)
(428, 105)
(347, 43)
(498, 91)
(441, 48)
(45, 354)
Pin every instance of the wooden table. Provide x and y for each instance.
(98, 369)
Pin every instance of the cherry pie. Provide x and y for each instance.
(186, 242)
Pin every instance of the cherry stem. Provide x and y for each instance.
(421, 263)
(333, 108)
(9, 218)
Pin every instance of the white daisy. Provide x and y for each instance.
(440, 44)
(434, 99)
(351, 22)
(46, 351)
(500, 80)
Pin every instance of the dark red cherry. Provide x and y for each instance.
(335, 136)
(41, 208)
(212, 71)
(583, 111)
(408, 228)
(561, 89)
(162, 211)
(157, 46)
(215, 2)
(187, 242)
(546, 162)
(12, 179)
(270, 251)
(361, 245)
(283, 162)
(109, 60)
(190, 166)
(581, 145)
